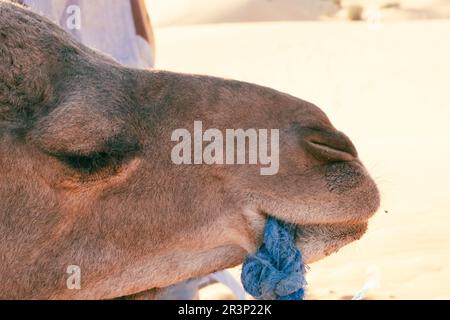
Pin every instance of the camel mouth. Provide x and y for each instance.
(317, 241)
(338, 218)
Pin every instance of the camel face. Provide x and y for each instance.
(87, 177)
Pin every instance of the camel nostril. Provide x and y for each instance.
(322, 151)
(330, 146)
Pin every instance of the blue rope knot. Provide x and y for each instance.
(276, 271)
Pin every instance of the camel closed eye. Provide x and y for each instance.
(92, 163)
(96, 165)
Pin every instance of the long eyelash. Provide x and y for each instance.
(93, 162)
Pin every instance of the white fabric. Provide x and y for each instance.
(188, 290)
(105, 25)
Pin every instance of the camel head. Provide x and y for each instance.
(88, 176)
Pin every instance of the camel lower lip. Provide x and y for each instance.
(332, 230)
(320, 240)
(337, 229)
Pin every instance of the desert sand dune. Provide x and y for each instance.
(186, 12)
(182, 12)
(388, 89)
(404, 9)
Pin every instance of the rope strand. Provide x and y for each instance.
(276, 271)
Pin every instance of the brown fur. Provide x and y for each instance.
(139, 222)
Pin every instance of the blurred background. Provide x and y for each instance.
(381, 71)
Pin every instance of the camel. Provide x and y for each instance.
(86, 177)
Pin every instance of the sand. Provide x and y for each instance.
(388, 88)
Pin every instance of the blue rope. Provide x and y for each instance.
(276, 271)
